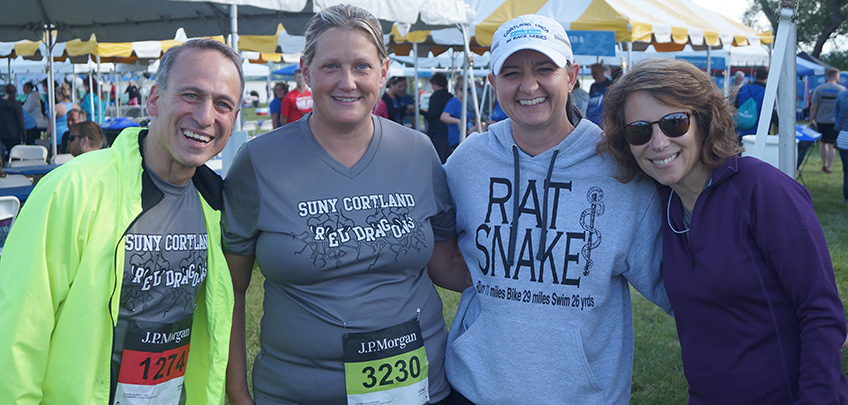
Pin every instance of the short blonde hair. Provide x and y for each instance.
(343, 16)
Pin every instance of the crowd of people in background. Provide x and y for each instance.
(29, 122)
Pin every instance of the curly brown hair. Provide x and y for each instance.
(675, 83)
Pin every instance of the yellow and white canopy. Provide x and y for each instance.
(667, 24)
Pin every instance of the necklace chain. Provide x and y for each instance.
(668, 215)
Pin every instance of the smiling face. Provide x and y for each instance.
(279, 91)
(194, 116)
(675, 162)
(533, 90)
(345, 76)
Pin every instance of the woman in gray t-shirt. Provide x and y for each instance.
(342, 212)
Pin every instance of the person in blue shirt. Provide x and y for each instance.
(840, 115)
(91, 90)
(280, 91)
(498, 114)
(452, 116)
(595, 108)
(757, 90)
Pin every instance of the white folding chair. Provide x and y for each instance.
(249, 126)
(27, 155)
(9, 206)
(266, 126)
(61, 158)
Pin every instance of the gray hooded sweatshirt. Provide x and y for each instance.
(552, 242)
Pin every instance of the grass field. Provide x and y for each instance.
(657, 368)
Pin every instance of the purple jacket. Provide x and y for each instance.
(753, 292)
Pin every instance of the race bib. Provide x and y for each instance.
(388, 366)
(153, 363)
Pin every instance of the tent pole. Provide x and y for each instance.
(415, 84)
(727, 80)
(117, 85)
(709, 59)
(51, 89)
(90, 92)
(268, 88)
(463, 116)
(470, 63)
(786, 94)
(99, 110)
(783, 66)
(234, 44)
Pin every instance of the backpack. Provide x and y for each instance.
(747, 114)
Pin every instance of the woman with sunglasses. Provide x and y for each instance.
(552, 240)
(745, 261)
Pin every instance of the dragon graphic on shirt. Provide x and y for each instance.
(333, 235)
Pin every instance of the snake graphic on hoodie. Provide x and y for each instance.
(553, 242)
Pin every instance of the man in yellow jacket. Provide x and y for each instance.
(113, 286)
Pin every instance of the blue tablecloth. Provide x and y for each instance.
(22, 192)
(805, 134)
(30, 170)
(118, 123)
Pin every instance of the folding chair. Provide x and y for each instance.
(9, 206)
(61, 158)
(266, 126)
(27, 155)
(250, 127)
(807, 141)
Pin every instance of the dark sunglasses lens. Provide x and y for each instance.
(638, 133)
(674, 125)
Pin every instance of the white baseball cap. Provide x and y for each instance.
(534, 32)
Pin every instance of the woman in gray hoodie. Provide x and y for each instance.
(552, 240)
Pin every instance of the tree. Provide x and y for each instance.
(818, 20)
(837, 59)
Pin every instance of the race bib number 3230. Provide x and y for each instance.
(388, 366)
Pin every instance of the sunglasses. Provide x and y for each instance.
(672, 125)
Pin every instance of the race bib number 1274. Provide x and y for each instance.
(153, 364)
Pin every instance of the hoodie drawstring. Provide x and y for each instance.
(543, 238)
(513, 229)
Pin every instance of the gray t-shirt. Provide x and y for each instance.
(825, 97)
(164, 269)
(342, 250)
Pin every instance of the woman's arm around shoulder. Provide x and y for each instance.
(447, 268)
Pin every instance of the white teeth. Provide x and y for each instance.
(197, 137)
(534, 101)
(664, 161)
(346, 99)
